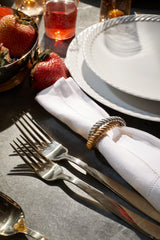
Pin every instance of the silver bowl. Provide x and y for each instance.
(10, 70)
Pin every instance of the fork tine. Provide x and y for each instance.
(35, 149)
(39, 128)
(31, 164)
(39, 162)
(28, 130)
(28, 139)
(34, 129)
(21, 130)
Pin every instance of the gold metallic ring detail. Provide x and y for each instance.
(105, 121)
(101, 131)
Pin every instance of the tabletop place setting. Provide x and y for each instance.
(80, 113)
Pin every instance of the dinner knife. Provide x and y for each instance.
(128, 195)
(138, 222)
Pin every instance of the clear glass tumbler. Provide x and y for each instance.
(114, 8)
(60, 18)
(30, 7)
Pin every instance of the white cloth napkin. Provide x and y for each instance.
(133, 153)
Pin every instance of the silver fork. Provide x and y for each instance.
(55, 151)
(50, 171)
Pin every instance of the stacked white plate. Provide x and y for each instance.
(117, 63)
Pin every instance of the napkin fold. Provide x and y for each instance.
(133, 153)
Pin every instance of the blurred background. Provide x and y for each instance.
(141, 4)
(7, 3)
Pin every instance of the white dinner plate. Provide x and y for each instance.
(104, 93)
(125, 53)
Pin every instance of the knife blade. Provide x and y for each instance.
(138, 222)
(132, 197)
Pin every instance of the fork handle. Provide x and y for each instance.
(139, 223)
(34, 234)
(128, 195)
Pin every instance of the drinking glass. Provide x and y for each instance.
(30, 7)
(60, 18)
(114, 8)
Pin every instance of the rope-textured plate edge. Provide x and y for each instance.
(72, 64)
(97, 29)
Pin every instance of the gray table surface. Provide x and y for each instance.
(57, 210)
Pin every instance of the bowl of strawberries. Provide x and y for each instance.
(18, 42)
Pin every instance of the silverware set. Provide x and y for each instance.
(36, 136)
(40, 151)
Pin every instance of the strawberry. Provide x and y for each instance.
(5, 11)
(50, 68)
(4, 56)
(16, 34)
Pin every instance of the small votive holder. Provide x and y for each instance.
(114, 8)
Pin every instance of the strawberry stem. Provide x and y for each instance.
(26, 20)
(4, 56)
(42, 56)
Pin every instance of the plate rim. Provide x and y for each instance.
(102, 26)
(73, 47)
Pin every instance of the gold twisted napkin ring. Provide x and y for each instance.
(101, 127)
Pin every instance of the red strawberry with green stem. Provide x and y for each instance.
(48, 68)
(17, 34)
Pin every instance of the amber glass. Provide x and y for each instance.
(114, 8)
